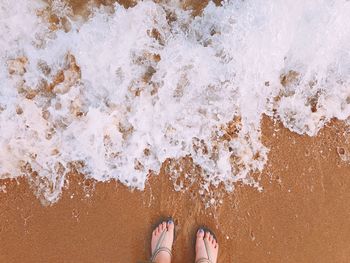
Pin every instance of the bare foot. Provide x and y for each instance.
(163, 256)
(206, 252)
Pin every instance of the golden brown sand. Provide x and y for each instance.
(302, 215)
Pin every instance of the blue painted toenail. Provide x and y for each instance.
(170, 221)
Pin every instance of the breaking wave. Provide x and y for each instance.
(115, 96)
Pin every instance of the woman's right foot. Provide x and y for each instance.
(206, 251)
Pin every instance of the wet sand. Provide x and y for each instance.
(301, 216)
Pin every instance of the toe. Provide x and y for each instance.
(170, 225)
(200, 233)
(159, 228)
(163, 226)
(207, 234)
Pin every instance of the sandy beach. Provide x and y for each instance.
(300, 214)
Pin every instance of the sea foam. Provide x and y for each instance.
(117, 95)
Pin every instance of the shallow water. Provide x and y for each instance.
(117, 95)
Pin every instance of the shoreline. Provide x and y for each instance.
(296, 217)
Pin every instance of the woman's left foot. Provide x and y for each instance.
(164, 231)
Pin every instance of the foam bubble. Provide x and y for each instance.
(122, 92)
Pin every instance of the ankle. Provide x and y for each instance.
(163, 258)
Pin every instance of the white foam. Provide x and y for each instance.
(212, 68)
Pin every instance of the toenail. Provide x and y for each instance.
(201, 230)
(170, 221)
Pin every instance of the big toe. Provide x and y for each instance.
(200, 234)
(170, 225)
(200, 247)
(170, 233)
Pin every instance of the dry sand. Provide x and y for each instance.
(302, 215)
